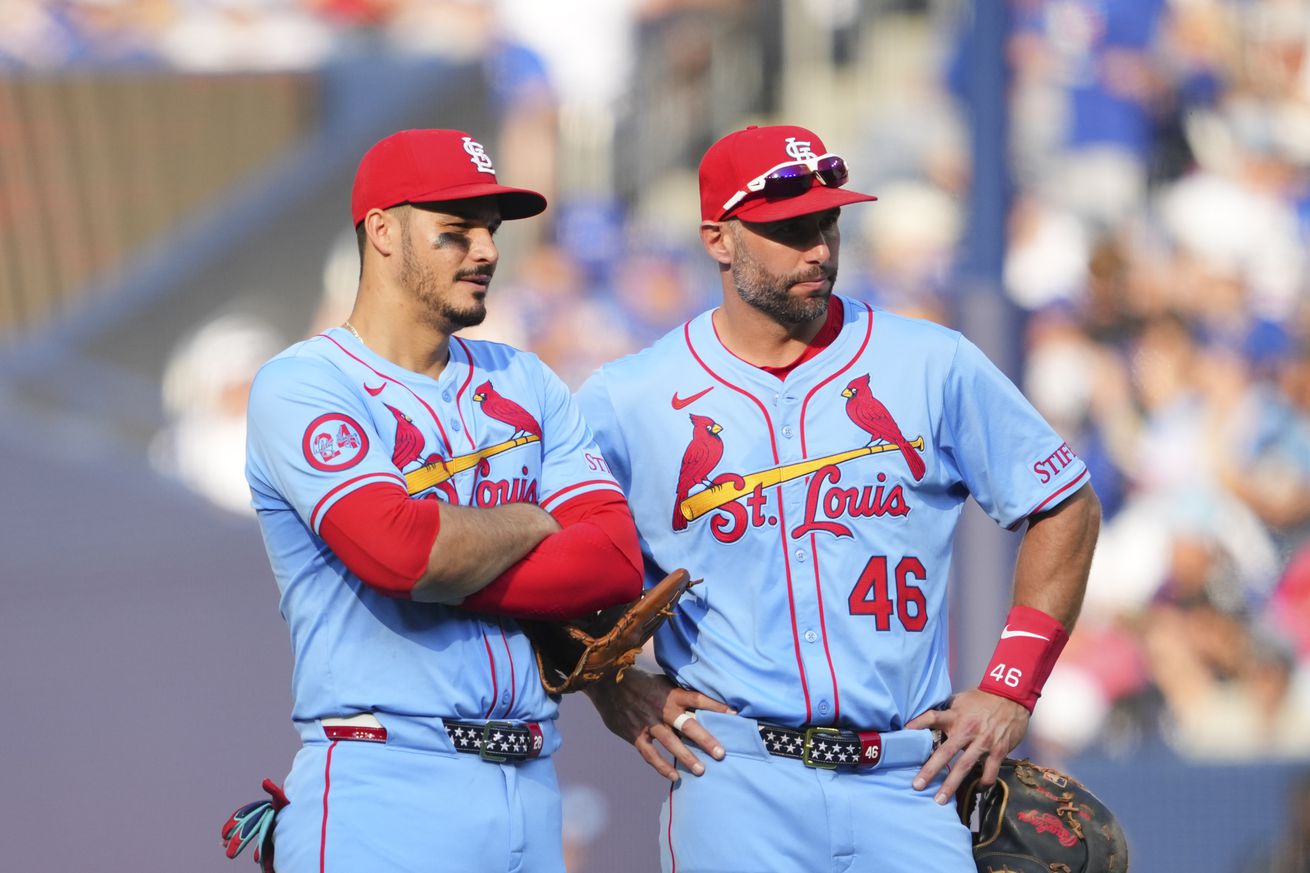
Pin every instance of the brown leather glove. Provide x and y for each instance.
(572, 655)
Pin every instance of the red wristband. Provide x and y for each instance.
(1024, 656)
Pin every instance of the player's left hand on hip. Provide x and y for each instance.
(978, 727)
(642, 710)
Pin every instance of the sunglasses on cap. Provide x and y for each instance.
(792, 179)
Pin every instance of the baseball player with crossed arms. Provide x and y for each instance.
(808, 456)
(414, 489)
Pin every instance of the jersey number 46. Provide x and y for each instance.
(872, 596)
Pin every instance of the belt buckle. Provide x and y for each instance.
(806, 758)
(487, 728)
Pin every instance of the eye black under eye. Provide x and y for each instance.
(453, 238)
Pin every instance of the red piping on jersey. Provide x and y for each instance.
(1058, 491)
(444, 439)
(673, 859)
(545, 504)
(827, 335)
(495, 686)
(814, 549)
(313, 515)
(686, 332)
(491, 663)
(868, 333)
(459, 394)
(782, 520)
(327, 784)
(823, 629)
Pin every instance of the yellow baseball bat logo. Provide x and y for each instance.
(725, 492)
(439, 471)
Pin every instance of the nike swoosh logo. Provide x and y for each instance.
(1007, 633)
(680, 403)
(374, 392)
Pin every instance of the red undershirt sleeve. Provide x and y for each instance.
(593, 562)
(383, 536)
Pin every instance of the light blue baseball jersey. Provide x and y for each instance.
(819, 510)
(327, 417)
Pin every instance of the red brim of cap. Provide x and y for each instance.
(514, 202)
(818, 199)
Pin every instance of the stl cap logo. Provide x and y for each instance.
(478, 156)
(800, 150)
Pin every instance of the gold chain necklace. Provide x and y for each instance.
(350, 327)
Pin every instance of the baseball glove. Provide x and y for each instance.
(1038, 820)
(253, 823)
(572, 655)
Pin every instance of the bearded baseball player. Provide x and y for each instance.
(808, 457)
(416, 492)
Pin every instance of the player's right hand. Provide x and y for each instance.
(642, 709)
(979, 727)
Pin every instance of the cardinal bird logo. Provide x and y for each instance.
(702, 455)
(506, 411)
(409, 440)
(872, 417)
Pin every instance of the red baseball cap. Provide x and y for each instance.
(745, 155)
(423, 166)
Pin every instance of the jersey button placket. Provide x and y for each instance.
(786, 428)
(450, 411)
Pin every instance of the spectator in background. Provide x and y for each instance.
(1230, 692)
(247, 35)
(205, 392)
(908, 249)
(652, 290)
(580, 338)
(1047, 255)
(41, 35)
(1089, 63)
(340, 279)
(1274, 476)
(1288, 609)
(1083, 391)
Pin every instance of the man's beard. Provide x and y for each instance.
(770, 294)
(438, 310)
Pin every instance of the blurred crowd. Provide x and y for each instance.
(254, 35)
(218, 35)
(1156, 257)
(1157, 242)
